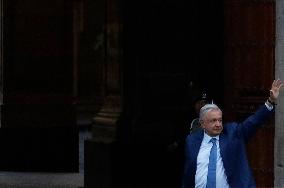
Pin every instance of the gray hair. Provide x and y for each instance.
(207, 108)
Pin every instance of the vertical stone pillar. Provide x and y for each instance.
(104, 128)
(279, 119)
(99, 151)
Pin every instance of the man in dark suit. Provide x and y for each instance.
(227, 146)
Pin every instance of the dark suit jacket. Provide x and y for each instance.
(232, 143)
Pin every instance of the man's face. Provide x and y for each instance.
(212, 123)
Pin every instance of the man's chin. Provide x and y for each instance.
(217, 132)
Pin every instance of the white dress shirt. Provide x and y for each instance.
(203, 161)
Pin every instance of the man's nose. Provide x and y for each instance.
(218, 123)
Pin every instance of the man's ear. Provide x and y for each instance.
(201, 123)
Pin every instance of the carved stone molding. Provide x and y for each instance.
(104, 127)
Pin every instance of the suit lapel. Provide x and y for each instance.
(196, 143)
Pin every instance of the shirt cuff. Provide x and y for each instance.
(269, 106)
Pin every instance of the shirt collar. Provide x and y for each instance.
(207, 138)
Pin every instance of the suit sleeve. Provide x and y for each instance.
(251, 124)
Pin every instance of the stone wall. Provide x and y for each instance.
(279, 119)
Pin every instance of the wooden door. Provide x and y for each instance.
(249, 71)
(38, 118)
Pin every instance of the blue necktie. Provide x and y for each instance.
(211, 177)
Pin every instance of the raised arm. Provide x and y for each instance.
(253, 122)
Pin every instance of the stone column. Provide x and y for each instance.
(105, 121)
(279, 119)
